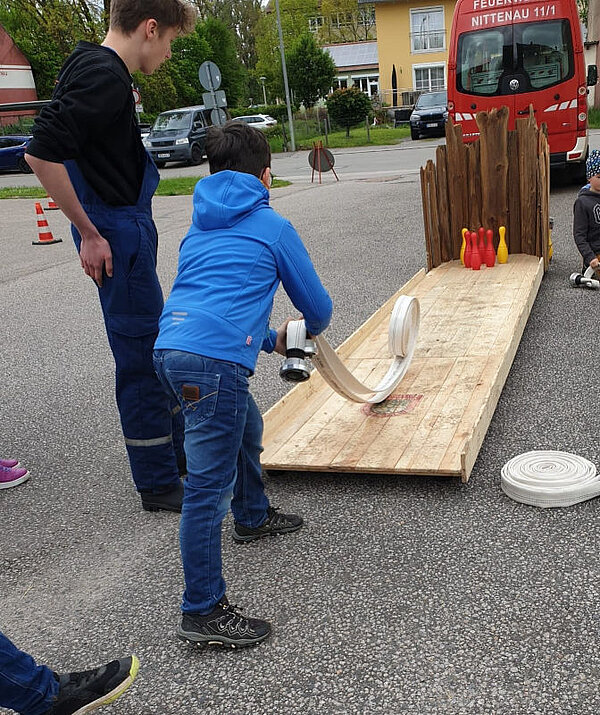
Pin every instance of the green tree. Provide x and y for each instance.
(346, 21)
(348, 107)
(295, 16)
(311, 70)
(158, 90)
(241, 16)
(583, 7)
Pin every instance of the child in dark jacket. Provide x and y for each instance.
(216, 320)
(586, 221)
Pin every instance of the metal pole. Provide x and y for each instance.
(285, 79)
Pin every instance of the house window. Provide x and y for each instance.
(314, 23)
(427, 33)
(429, 78)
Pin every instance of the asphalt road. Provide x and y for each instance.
(401, 595)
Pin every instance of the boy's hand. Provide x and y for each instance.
(281, 342)
(95, 255)
(595, 263)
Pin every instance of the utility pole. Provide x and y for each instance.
(285, 79)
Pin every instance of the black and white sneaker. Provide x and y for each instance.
(83, 692)
(225, 625)
(275, 523)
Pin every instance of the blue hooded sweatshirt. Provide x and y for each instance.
(231, 262)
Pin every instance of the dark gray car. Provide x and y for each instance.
(179, 135)
(429, 115)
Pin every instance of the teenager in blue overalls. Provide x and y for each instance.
(87, 152)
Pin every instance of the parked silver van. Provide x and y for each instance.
(179, 135)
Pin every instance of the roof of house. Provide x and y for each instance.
(354, 54)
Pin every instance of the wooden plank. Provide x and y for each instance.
(474, 184)
(457, 179)
(527, 131)
(493, 127)
(450, 244)
(426, 218)
(513, 227)
(436, 243)
(437, 418)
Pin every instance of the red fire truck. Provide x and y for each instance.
(520, 53)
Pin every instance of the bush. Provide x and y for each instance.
(349, 107)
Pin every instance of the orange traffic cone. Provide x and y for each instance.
(45, 234)
(52, 205)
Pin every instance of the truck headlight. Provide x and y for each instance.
(182, 141)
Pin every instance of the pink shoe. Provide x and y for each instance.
(9, 463)
(11, 476)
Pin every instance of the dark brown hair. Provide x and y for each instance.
(238, 147)
(126, 15)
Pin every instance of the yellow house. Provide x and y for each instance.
(412, 44)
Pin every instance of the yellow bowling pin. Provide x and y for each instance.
(502, 252)
(463, 247)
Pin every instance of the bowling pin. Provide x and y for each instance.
(463, 248)
(490, 254)
(502, 247)
(475, 255)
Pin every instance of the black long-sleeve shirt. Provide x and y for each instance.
(586, 224)
(92, 119)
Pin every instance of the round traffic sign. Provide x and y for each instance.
(209, 75)
(218, 117)
(136, 96)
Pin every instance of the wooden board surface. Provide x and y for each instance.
(437, 418)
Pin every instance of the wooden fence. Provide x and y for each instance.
(502, 179)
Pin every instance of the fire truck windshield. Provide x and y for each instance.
(540, 54)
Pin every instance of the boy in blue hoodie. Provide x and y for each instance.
(216, 320)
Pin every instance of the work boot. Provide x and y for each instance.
(165, 501)
(80, 693)
(224, 625)
(11, 476)
(275, 523)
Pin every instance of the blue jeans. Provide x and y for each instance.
(223, 442)
(25, 687)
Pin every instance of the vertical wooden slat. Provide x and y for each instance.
(527, 131)
(474, 184)
(544, 194)
(448, 242)
(513, 227)
(434, 213)
(456, 158)
(493, 128)
(426, 218)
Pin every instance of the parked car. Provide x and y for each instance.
(12, 150)
(429, 115)
(144, 130)
(179, 135)
(259, 121)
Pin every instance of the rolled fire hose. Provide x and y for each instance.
(550, 479)
(402, 337)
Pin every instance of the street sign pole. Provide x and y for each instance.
(285, 79)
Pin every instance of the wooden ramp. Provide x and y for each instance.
(436, 420)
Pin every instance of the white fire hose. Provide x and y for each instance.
(402, 337)
(550, 479)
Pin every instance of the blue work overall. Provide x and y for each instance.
(132, 302)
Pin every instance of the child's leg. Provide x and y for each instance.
(24, 686)
(213, 395)
(249, 503)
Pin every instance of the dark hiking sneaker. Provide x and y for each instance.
(83, 692)
(275, 523)
(165, 501)
(225, 625)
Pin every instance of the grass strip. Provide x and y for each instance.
(178, 186)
